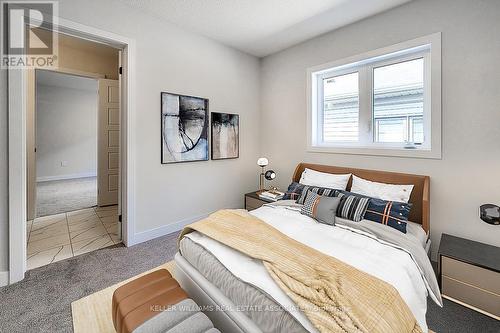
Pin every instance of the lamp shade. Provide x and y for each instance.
(262, 162)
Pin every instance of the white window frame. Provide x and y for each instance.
(428, 47)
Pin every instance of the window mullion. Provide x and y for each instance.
(321, 110)
(427, 119)
(365, 105)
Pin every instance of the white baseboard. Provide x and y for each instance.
(63, 177)
(4, 278)
(164, 230)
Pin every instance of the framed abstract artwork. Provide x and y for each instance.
(225, 135)
(184, 128)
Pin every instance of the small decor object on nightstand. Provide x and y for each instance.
(490, 214)
(273, 195)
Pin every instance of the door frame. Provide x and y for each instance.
(17, 143)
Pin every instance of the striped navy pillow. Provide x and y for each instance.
(391, 213)
(352, 207)
(294, 191)
(324, 191)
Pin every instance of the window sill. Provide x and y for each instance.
(371, 151)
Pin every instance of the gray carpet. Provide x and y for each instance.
(42, 301)
(455, 318)
(61, 196)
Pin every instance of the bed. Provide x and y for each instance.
(238, 295)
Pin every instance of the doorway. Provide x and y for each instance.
(18, 106)
(73, 149)
(65, 142)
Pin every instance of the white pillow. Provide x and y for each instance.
(382, 191)
(322, 179)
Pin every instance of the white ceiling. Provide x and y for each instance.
(262, 27)
(55, 79)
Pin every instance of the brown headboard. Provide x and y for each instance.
(420, 211)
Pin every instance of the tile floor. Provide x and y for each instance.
(57, 237)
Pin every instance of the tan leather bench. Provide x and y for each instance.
(156, 303)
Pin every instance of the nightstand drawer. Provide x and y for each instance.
(252, 203)
(470, 295)
(473, 275)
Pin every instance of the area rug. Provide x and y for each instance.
(93, 312)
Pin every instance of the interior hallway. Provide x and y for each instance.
(60, 196)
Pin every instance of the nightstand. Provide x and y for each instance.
(253, 201)
(469, 274)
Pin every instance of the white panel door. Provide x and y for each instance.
(108, 143)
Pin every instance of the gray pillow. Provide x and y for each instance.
(321, 208)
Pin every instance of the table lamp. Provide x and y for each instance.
(262, 162)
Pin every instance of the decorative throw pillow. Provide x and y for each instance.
(352, 207)
(294, 191)
(321, 208)
(391, 213)
(327, 192)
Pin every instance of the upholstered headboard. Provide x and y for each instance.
(420, 211)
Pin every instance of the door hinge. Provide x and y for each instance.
(120, 218)
(120, 70)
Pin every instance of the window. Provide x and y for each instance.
(398, 101)
(386, 102)
(341, 108)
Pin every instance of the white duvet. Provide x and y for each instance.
(384, 262)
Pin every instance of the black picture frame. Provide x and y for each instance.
(163, 135)
(231, 119)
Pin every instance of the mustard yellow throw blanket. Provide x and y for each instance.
(334, 296)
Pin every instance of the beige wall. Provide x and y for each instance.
(81, 55)
(468, 173)
(30, 144)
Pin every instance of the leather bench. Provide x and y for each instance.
(156, 303)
